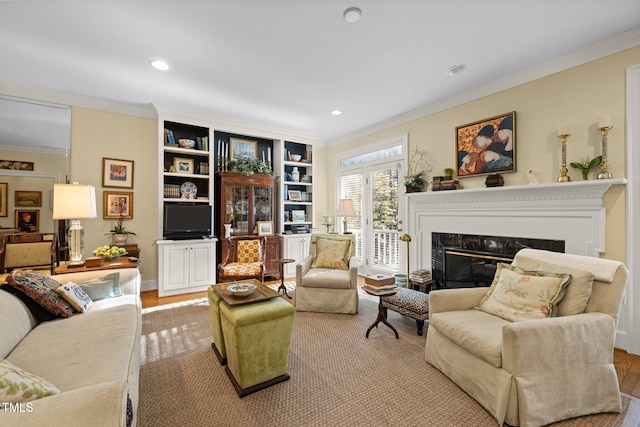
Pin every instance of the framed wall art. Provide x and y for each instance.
(265, 228)
(183, 165)
(243, 149)
(28, 199)
(117, 173)
(487, 146)
(4, 196)
(117, 204)
(28, 220)
(16, 165)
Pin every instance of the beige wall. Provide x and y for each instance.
(97, 134)
(575, 97)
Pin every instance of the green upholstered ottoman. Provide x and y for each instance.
(257, 338)
(216, 326)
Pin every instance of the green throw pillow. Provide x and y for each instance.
(104, 287)
(18, 386)
(331, 254)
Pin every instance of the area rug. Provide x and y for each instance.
(338, 377)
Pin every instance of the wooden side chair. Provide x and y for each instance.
(245, 259)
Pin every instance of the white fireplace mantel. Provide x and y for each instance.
(572, 212)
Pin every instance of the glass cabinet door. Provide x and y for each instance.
(262, 204)
(237, 208)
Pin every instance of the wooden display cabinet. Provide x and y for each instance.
(243, 201)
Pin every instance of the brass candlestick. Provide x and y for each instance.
(604, 166)
(563, 169)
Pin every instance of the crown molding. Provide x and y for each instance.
(619, 43)
(33, 149)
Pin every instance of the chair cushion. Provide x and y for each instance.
(519, 295)
(326, 278)
(331, 254)
(242, 269)
(477, 332)
(248, 251)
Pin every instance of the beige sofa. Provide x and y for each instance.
(93, 358)
(534, 372)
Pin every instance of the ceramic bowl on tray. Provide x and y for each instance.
(186, 143)
(241, 289)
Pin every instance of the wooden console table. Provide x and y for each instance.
(121, 262)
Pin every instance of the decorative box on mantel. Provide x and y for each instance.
(572, 212)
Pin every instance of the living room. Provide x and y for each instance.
(574, 89)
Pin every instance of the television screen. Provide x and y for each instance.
(186, 221)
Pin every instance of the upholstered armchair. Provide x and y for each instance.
(244, 260)
(24, 250)
(537, 346)
(327, 279)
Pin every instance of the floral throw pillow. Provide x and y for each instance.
(76, 296)
(517, 295)
(41, 288)
(18, 386)
(331, 254)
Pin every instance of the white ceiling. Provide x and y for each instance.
(287, 63)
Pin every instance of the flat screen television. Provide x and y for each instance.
(186, 221)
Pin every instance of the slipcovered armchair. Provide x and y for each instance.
(244, 260)
(327, 279)
(525, 367)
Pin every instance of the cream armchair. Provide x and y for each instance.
(534, 372)
(327, 279)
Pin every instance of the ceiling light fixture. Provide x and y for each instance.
(452, 71)
(159, 65)
(352, 14)
(336, 112)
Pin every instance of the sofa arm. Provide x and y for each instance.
(97, 405)
(129, 278)
(455, 299)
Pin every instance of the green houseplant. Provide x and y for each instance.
(418, 171)
(250, 166)
(119, 235)
(585, 165)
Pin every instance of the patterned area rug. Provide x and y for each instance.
(338, 377)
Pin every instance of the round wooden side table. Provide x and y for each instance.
(282, 262)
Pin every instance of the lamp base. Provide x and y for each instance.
(74, 264)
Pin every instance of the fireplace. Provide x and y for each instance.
(465, 260)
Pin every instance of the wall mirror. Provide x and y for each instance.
(35, 145)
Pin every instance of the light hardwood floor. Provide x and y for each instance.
(627, 365)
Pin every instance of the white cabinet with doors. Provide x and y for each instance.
(296, 246)
(185, 266)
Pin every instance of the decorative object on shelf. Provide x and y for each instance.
(249, 166)
(117, 173)
(327, 221)
(604, 126)
(243, 149)
(298, 216)
(406, 238)
(183, 165)
(223, 155)
(265, 228)
(295, 173)
(186, 143)
(486, 146)
(585, 165)
(242, 206)
(418, 171)
(74, 202)
(531, 177)
(296, 157)
(188, 190)
(401, 280)
(28, 199)
(294, 195)
(4, 197)
(563, 134)
(494, 180)
(346, 210)
(227, 231)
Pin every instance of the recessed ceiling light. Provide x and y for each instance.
(452, 71)
(336, 112)
(352, 14)
(159, 65)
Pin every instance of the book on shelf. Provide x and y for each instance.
(381, 290)
(168, 137)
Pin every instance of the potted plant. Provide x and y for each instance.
(585, 165)
(119, 234)
(250, 166)
(418, 171)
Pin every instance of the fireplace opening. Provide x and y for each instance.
(464, 260)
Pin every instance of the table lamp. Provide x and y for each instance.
(346, 210)
(74, 201)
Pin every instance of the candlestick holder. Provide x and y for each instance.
(563, 168)
(604, 166)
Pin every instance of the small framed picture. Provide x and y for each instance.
(265, 228)
(243, 149)
(183, 165)
(298, 216)
(117, 173)
(4, 196)
(295, 195)
(28, 220)
(28, 199)
(117, 204)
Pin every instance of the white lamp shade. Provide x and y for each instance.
(346, 208)
(74, 201)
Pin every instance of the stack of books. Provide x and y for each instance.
(441, 183)
(381, 290)
(420, 276)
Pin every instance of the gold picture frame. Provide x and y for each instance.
(28, 199)
(183, 165)
(117, 204)
(4, 196)
(243, 148)
(117, 173)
